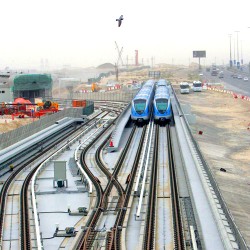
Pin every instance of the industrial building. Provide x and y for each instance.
(5, 87)
(28, 86)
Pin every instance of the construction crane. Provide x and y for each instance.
(119, 58)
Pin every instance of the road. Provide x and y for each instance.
(237, 85)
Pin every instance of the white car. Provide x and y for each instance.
(245, 79)
(239, 77)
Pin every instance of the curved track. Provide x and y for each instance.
(8, 182)
(114, 237)
(89, 234)
(25, 237)
(102, 200)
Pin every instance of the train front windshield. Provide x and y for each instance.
(139, 105)
(162, 105)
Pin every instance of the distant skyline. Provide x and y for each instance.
(83, 34)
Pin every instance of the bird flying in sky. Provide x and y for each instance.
(120, 20)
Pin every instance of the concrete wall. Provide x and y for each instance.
(106, 96)
(23, 132)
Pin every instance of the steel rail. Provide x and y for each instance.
(179, 241)
(24, 209)
(145, 171)
(7, 183)
(87, 237)
(24, 219)
(142, 161)
(37, 230)
(114, 237)
(149, 232)
(17, 170)
(90, 233)
(112, 180)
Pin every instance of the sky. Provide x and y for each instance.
(83, 33)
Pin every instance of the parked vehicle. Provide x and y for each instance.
(184, 87)
(197, 86)
(221, 74)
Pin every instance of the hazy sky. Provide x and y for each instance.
(83, 33)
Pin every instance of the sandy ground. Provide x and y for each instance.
(7, 124)
(225, 141)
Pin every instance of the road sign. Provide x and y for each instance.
(154, 74)
(199, 53)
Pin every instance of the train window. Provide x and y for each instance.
(162, 104)
(139, 105)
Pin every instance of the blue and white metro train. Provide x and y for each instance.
(162, 104)
(142, 103)
(162, 82)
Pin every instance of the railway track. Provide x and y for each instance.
(150, 217)
(150, 222)
(88, 234)
(176, 210)
(24, 225)
(114, 236)
(24, 218)
(102, 201)
(10, 180)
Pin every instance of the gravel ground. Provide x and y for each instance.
(225, 142)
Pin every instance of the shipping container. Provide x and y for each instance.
(78, 103)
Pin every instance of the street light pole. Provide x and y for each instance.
(241, 53)
(238, 62)
(230, 62)
(234, 53)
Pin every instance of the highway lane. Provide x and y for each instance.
(236, 85)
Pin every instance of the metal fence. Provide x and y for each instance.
(23, 132)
